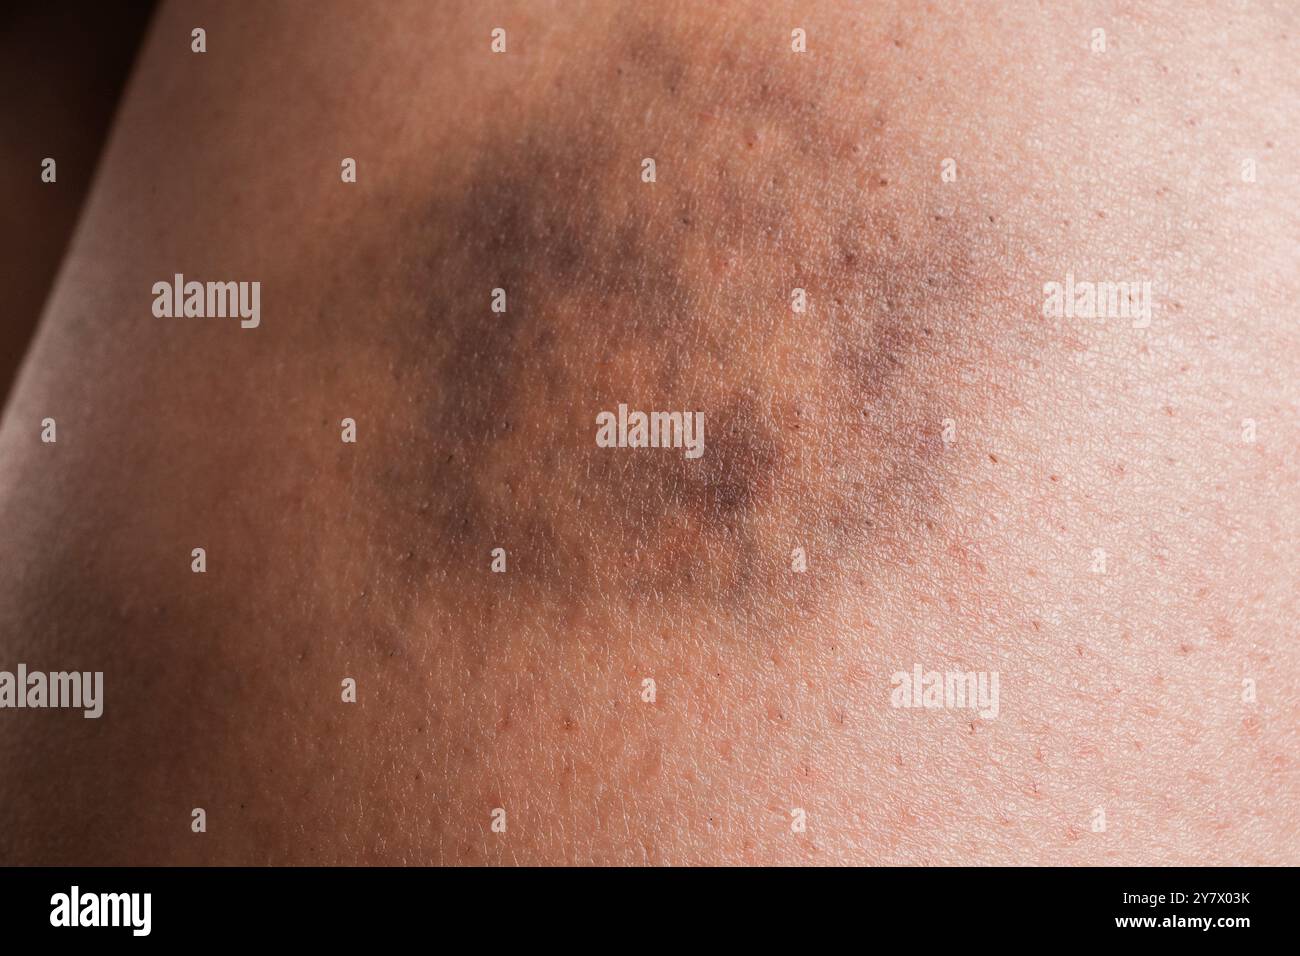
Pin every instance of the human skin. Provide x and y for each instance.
(1121, 688)
(70, 64)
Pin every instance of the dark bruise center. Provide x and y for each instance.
(821, 427)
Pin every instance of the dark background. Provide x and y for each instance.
(63, 68)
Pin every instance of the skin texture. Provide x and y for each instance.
(1120, 690)
(70, 60)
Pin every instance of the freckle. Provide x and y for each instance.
(1101, 214)
(883, 181)
(1184, 649)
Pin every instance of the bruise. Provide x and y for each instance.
(822, 429)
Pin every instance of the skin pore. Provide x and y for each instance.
(1120, 689)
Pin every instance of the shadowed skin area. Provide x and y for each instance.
(650, 681)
